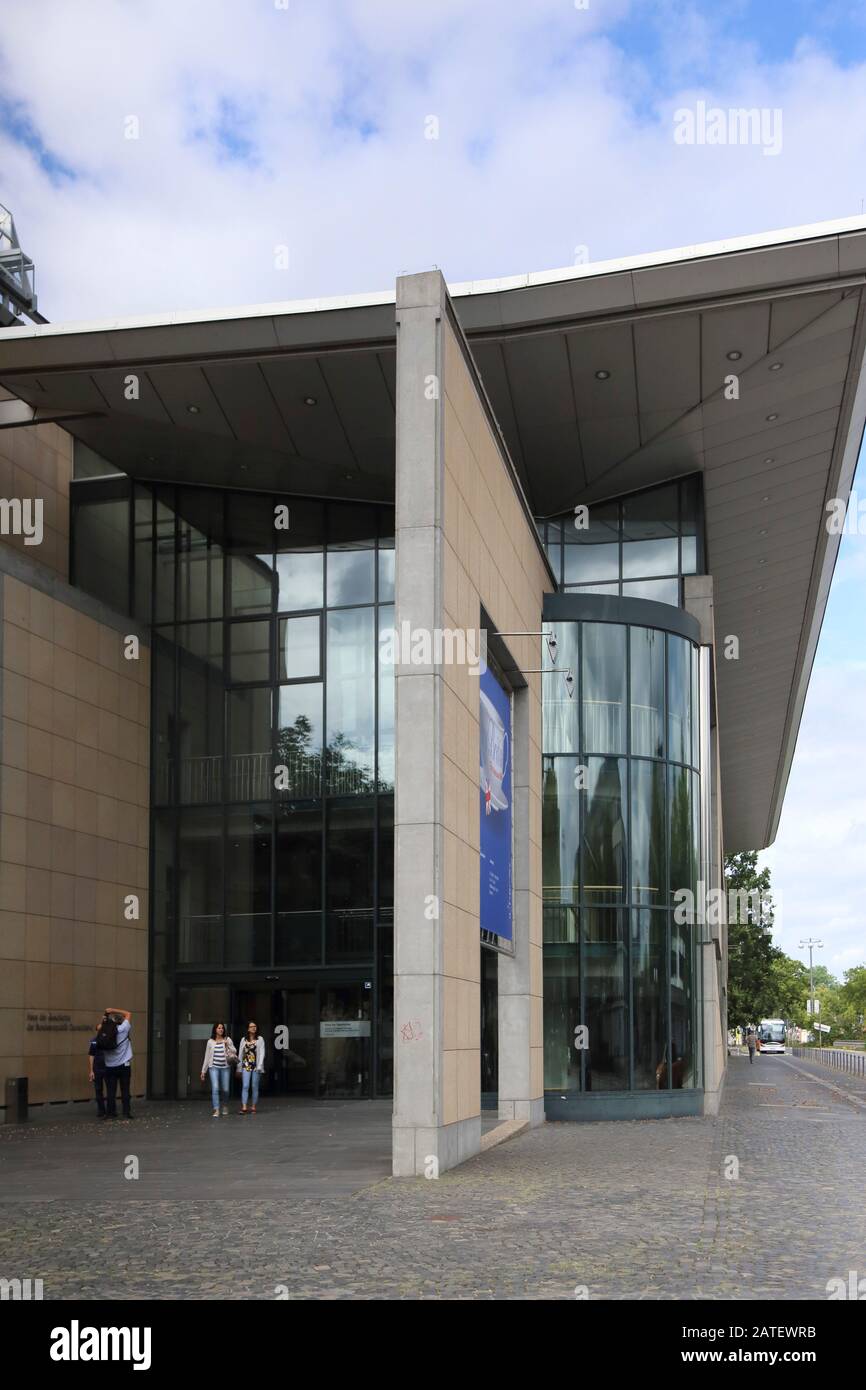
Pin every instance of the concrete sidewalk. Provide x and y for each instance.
(640, 1210)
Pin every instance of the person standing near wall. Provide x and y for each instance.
(751, 1042)
(96, 1070)
(116, 1028)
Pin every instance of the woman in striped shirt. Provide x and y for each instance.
(220, 1055)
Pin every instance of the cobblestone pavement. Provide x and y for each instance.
(299, 1199)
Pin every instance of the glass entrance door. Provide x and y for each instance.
(296, 1063)
(345, 1049)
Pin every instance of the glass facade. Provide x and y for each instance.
(620, 836)
(638, 546)
(272, 764)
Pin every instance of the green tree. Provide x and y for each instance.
(752, 979)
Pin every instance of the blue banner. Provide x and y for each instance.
(495, 806)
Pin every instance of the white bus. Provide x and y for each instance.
(773, 1034)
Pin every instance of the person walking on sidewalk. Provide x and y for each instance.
(251, 1064)
(113, 1038)
(751, 1043)
(220, 1056)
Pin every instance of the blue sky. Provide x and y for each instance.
(262, 125)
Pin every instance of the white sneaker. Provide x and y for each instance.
(225, 1110)
(216, 1115)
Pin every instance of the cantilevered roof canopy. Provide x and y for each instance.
(300, 397)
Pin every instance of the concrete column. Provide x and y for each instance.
(423, 1136)
(521, 1095)
(699, 602)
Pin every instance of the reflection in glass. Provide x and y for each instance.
(680, 831)
(300, 579)
(679, 694)
(562, 1060)
(605, 1005)
(299, 859)
(248, 887)
(590, 562)
(603, 842)
(251, 585)
(300, 654)
(164, 548)
(653, 513)
(250, 652)
(560, 830)
(386, 707)
(350, 858)
(351, 675)
(682, 1043)
(249, 770)
(200, 714)
(350, 577)
(647, 692)
(100, 559)
(642, 559)
(200, 863)
(199, 558)
(386, 576)
(561, 711)
(604, 693)
(658, 590)
(647, 832)
(299, 739)
(649, 1000)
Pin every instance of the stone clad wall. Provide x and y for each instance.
(465, 542)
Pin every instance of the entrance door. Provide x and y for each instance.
(345, 1044)
(296, 1064)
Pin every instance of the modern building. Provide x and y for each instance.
(397, 671)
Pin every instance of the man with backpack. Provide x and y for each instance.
(112, 1039)
(96, 1070)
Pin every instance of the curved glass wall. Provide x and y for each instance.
(620, 837)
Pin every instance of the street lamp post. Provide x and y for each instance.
(811, 945)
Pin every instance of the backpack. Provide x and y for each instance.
(106, 1035)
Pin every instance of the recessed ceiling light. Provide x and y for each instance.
(763, 533)
(776, 366)
(194, 410)
(348, 477)
(770, 460)
(760, 588)
(734, 355)
(766, 499)
(310, 400)
(762, 562)
(774, 415)
(602, 374)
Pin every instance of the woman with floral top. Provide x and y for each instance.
(251, 1064)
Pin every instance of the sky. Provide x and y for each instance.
(179, 154)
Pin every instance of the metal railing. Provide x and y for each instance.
(251, 777)
(840, 1058)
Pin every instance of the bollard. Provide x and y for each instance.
(16, 1099)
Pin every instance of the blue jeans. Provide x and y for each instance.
(250, 1078)
(220, 1080)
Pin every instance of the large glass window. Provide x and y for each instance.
(647, 691)
(638, 547)
(560, 830)
(603, 843)
(351, 695)
(620, 834)
(603, 684)
(649, 978)
(265, 652)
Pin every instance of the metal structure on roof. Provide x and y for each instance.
(17, 277)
